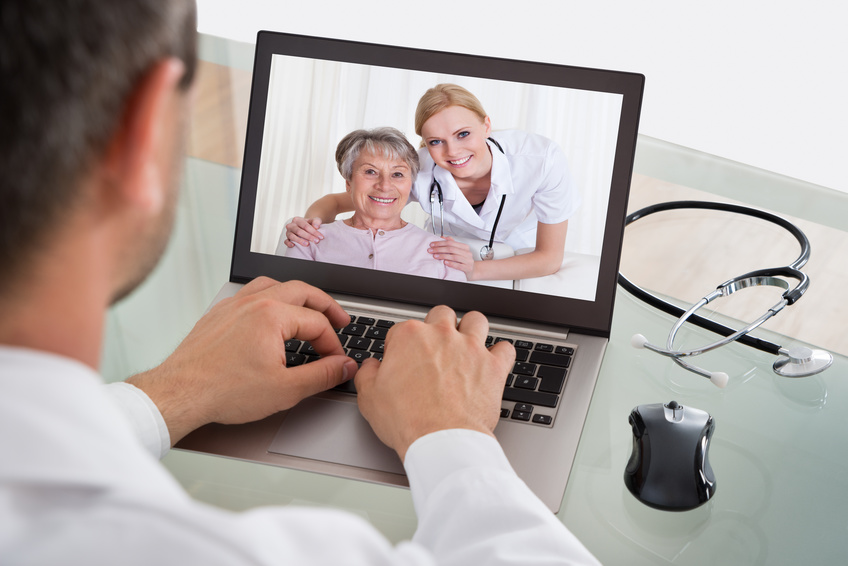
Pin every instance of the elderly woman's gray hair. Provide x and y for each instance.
(388, 142)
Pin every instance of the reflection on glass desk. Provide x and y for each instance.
(780, 448)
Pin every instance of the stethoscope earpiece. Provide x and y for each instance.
(718, 378)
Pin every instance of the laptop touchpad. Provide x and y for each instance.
(328, 430)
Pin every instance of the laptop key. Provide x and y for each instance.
(550, 359)
(544, 347)
(356, 343)
(526, 382)
(521, 416)
(522, 368)
(359, 355)
(552, 378)
(354, 330)
(377, 333)
(543, 419)
(293, 359)
(524, 344)
(530, 397)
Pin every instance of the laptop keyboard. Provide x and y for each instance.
(533, 388)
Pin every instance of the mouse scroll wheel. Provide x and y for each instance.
(673, 411)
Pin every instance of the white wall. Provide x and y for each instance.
(756, 81)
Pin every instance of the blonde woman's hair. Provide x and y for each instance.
(443, 96)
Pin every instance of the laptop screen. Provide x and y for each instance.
(575, 125)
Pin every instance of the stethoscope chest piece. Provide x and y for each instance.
(801, 362)
(487, 253)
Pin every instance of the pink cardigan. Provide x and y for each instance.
(402, 251)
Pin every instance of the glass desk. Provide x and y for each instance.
(780, 449)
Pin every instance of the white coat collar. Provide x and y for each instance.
(501, 185)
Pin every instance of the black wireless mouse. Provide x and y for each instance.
(669, 468)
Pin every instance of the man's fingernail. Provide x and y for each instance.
(348, 370)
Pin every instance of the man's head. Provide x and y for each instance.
(69, 75)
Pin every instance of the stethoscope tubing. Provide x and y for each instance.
(436, 196)
(791, 270)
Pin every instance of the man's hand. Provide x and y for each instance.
(231, 368)
(435, 375)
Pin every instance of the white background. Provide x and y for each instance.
(756, 81)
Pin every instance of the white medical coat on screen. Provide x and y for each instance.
(533, 173)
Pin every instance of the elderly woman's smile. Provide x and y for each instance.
(383, 200)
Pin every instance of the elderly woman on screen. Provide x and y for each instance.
(379, 167)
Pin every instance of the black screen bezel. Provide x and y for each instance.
(593, 317)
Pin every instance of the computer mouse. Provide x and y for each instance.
(669, 467)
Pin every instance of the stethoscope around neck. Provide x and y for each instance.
(791, 362)
(436, 196)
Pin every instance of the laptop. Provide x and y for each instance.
(309, 92)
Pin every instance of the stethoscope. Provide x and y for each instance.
(791, 362)
(436, 196)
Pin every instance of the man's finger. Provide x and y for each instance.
(259, 284)
(298, 293)
(475, 324)
(366, 374)
(306, 324)
(442, 315)
(318, 376)
(505, 352)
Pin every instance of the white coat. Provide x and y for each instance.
(533, 173)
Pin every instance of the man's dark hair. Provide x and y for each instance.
(67, 68)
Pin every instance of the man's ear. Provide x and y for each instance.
(138, 163)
